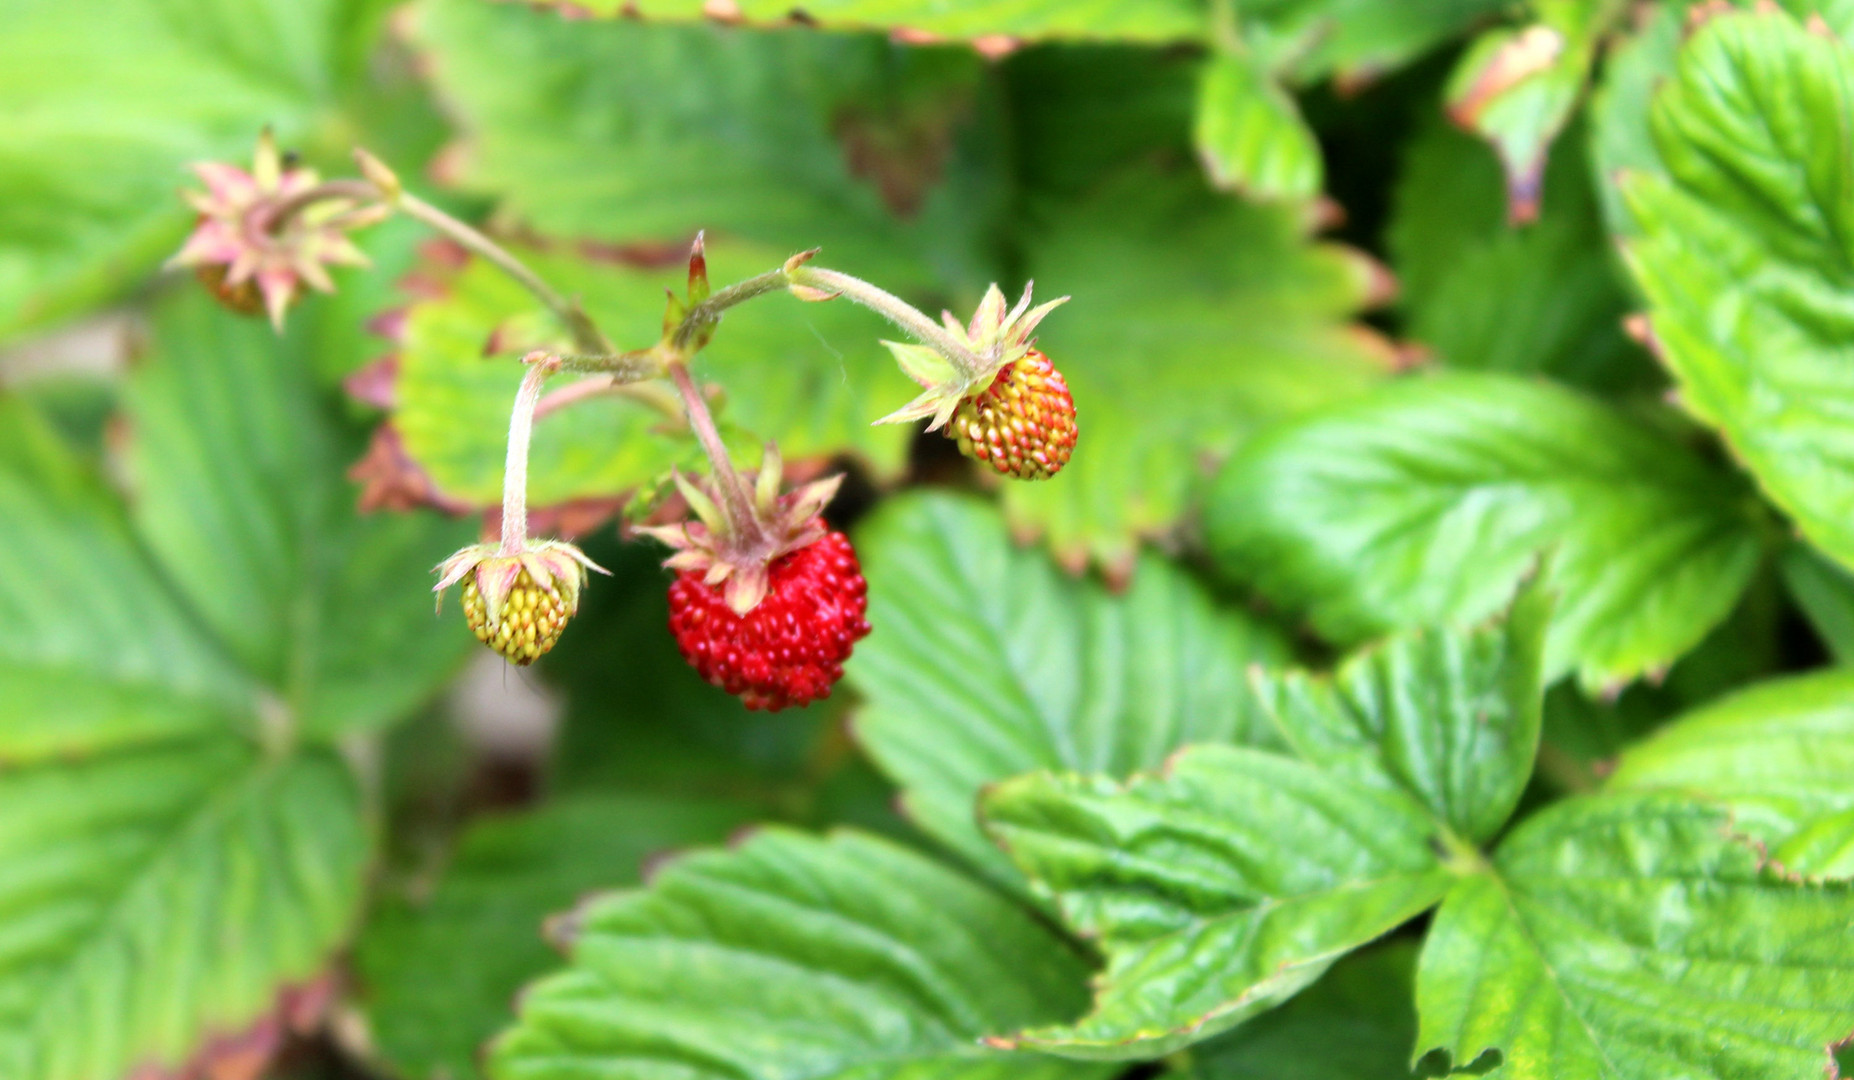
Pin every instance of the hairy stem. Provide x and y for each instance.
(586, 336)
(327, 190)
(709, 311)
(895, 310)
(521, 433)
(735, 499)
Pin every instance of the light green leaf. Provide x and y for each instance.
(1250, 134)
(95, 650)
(1208, 914)
(1779, 754)
(1448, 717)
(478, 935)
(107, 100)
(1131, 20)
(1548, 297)
(1196, 319)
(1309, 40)
(794, 958)
(1358, 1022)
(158, 894)
(1745, 255)
(987, 663)
(1631, 936)
(888, 157)
(814, 376)
(1427, 501)
(236, 465)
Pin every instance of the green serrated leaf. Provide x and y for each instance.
(797, 958)
(1357, 1022)
(108, 100)
(507, 875)
(236, 466)
(1629, 936)
(1744, 254)
(1427, 501)
(1233, 878)
(164, 892)
(885, 156)
(1547, 298)
(1207, 914)
(1309, 40)
(986, 663)
(1153, 21)
(1448, 717)
(1779, 754)
(1250, 134)
(1196, 319)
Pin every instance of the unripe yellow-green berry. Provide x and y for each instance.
(532, 619)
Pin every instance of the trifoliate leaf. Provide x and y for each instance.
(1235, 876)
(990, 664)
(1427, 501)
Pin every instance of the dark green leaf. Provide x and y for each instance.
(1745, 254)
(439, 975)
(986, 663)
(1427, 501)
(794, 958)
(1631, 936)
(1825, 592)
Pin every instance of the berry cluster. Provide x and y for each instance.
(789, 650)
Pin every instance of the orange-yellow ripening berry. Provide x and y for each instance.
(1023, 424)
(532, 620)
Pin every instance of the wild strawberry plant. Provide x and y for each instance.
(1378, 610)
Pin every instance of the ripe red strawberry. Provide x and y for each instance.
(790, 648)
(1023, 424)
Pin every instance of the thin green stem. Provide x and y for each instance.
(586, 336)
(521, 434)
(897, 311)
(735, 498)
(708, 312)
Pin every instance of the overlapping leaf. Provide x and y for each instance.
(107, 100)
(795, 958)
(1427, 501)
(1625, 936)
(1208, 913)
(1778, 754)
(1250, 133)
(175, 851)
(431, 1002)
(986, 664)
(1236, 876)
(1745, 254)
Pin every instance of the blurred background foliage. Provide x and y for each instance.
(256, 813)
